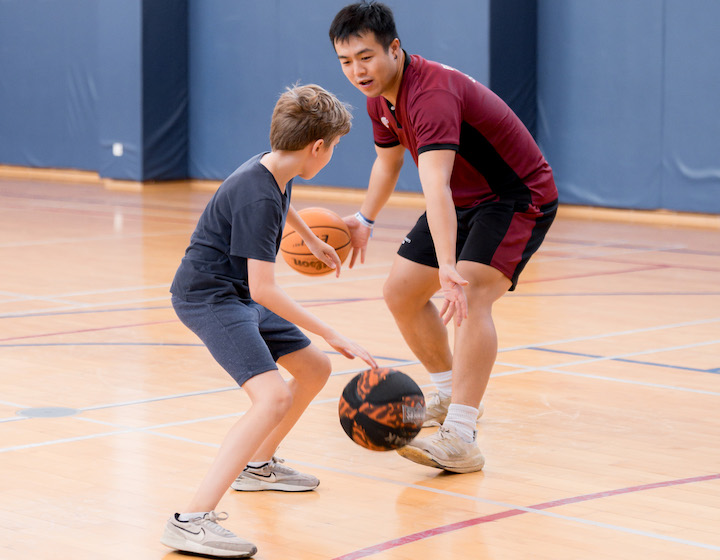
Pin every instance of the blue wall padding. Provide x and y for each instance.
(143, 101)
(48, 85)
(513, 56)
(628, 102)
(691, 125)
(626, 109)
(600, 99)
(120, 88)
(165, 89)
(243, 55)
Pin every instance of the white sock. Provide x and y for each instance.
(443, 382)
(189, 516)
(257, 464)
(462, 418)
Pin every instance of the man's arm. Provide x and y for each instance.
(383, 178)
(435, 168)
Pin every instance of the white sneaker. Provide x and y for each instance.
(445, 449)
(273, 475)
(436, 409)
(203, 535)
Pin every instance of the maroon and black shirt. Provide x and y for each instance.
(440, 108)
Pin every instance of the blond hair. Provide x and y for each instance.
(304, 114)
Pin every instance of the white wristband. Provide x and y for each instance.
(364, 221)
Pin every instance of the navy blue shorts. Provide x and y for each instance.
(500, 234)
(246, 339)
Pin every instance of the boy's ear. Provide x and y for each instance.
(317, 145)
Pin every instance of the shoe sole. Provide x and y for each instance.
(259, 486)
(421, 457)
(178, 543)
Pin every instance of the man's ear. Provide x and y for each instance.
(395, 47)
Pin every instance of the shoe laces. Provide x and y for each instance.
(210, 520)
(276, 466)
(449, 440)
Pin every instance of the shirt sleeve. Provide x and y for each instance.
(255, 230)
(437, 117)
(383, 136)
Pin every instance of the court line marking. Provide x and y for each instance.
(511, 511)
(83, 306)
(636, 362)
(520, 369)
(539, 509)
(394, 363)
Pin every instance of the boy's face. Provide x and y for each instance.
(369, 67)
(319, 158)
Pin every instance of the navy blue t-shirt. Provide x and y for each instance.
(244, 219)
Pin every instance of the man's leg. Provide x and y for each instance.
(407, 292)
(453, 447)
(476, 338)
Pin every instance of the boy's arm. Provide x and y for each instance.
(435, 168)
(264, 290)
(383, 178)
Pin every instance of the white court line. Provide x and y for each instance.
(191, 394)
(118, 237)
(613, 334)
(539, 257)
(507, 506)
(74, 306)
(511, 506)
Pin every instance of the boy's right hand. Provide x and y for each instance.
(359, 237)
(349, 349)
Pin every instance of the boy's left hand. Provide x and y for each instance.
(325, 253)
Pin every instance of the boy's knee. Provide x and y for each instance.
(321, 371)
(278, 402)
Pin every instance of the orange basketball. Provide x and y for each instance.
(329, 227)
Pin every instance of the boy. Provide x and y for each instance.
(490, 198)
(225, 292)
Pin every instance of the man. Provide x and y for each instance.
(490, 198)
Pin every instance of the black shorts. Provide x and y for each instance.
(500, 234)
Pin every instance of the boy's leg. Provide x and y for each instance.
(200, 533)
(271, 400)
(310, 368)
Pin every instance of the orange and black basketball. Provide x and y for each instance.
(329, 227)
(382, 409)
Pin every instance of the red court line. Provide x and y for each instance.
(407, 539)
(593, 274)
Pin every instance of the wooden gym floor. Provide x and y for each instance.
(601, 430)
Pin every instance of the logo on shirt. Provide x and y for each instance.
(385, 122)
(473, 80)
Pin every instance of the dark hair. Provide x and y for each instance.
(357, 19)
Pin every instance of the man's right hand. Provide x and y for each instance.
(359, 237)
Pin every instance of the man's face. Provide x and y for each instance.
(369, 67)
